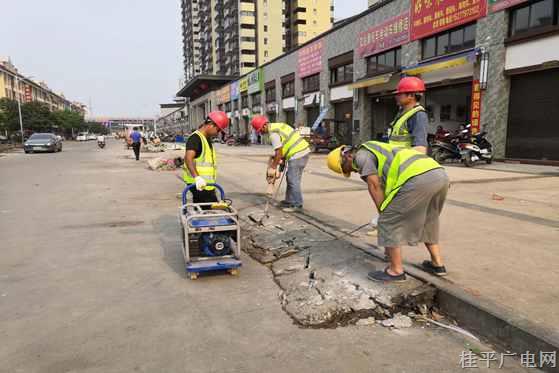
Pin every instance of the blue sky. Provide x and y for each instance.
(123, 55)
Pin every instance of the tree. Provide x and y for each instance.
(37, 117)
(11, 115)
(67, 120)
(94, 127)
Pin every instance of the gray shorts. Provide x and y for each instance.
(413, 215)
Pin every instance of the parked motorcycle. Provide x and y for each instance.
(238, 140)
(479, 150)
(462, 147)
(446, 149)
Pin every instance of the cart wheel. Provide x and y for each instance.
(193, 275)
(234, 272)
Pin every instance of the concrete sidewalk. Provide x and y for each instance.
(500, 229)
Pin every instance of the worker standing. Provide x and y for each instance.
(409, 190)
(200, 157)
(288, 147)
(409, 128)
(136, 138)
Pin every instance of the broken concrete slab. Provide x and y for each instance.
(399, 321)
(324, 280)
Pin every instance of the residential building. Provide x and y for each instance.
(306, 19)
(492, 64)
(15, 86)
(233, 37)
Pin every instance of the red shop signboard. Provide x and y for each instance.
(432, 16)
(388, 35)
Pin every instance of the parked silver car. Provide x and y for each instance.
(42, 142)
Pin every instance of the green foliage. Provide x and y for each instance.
(37, 117)
(97, 128)
(67, 120)
(11, 116)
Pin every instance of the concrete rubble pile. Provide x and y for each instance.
(165, 164)
(324, 281)
(154, 148)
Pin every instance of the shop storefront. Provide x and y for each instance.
(532, 127)
(449, 81)
(312, 108)
(533, 130)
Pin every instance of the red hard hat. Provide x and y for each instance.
(219, 118)
(258, 122)
(411, 84)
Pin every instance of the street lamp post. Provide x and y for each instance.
(19, 109)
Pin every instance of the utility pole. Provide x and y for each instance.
(19, 109)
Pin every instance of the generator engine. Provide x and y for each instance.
(216, 244)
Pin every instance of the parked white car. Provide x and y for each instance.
(82, 136)
(92, 136)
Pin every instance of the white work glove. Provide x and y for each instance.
(374, 222)
(201, 183)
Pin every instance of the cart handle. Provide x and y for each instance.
(190, 186)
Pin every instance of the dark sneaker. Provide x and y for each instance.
(437, 271)
(384, 276)
(293, 209)
(284, 203)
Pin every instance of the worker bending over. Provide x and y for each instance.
(289, 147)
(409, 190)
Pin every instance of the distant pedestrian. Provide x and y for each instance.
(136, 138)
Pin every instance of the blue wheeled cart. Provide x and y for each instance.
(211, 235)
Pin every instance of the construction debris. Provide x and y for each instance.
(162, 164)
(399, 321)
(324, 282)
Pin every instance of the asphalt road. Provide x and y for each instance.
(92, 280)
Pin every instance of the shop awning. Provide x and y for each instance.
(381, 79)
(439, 64)
(202, 84)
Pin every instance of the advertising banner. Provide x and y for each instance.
(243, 85)
(255, 81)
(387, 35)
(475, 116)
(498, 5)
(309, 59)
(234, 91)
(429, 17)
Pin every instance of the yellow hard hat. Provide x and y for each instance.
(334, 161)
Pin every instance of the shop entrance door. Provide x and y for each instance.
(343, 114)
(383, 112)
(533, 130)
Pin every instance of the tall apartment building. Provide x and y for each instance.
(232, 37)
(305, 19)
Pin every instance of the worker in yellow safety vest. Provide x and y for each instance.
(200, 157)
(291, 148)
(409, 190)
(409, 128)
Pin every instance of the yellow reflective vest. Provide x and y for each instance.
(400, 135)
(292, 141)
(396, 165)
(205, 163)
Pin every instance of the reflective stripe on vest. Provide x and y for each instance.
(292, 141)
(400, 136)
(205, 164)
(397, 165)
